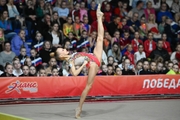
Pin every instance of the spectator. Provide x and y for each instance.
(110, 60)
(44, 23)
(58, 5)
(114, 65)
(114, 25)
(159, 51)
(133, 24)
(155, 4)
(104, 70)
(110, 70)
(149, 10)
(55, 71)
(162, 24)
(152, 69)
(6, 25)
(145, 68)
(17, 71)
(68, 27)
(165, 2)
(122, 61)
(92, 40)
(121, 10)
(22, 56)
(143, 30)
(83, 11)
(92, 13)
(26, 72)
(1, 70)
(107, 41)
(18, 41)
(115, 52)
(136, 41)
(7, 55)
(173, 55)
(3, 6)
(159, 68)
(32, 71)
(45, 53)
(48, 8)
(124, 27)
(38, 42)
(107, 13)
(163, 12)
(2, 40)
(42, 73)
(40, 10)
(124, 41)
(83, 42)
(174, 70)
(66, 69)
(149, 45)
(30, 19)
(55, 19)
(116, 38)
(134, 3)
(77, 27)
(153, 27)
(69, 47)
(138, 68)
(166, 44)
(55, 36)
(129, 53)
(52, 62)
(85, 25)
(169, 32)
(72, 42)
(139, 54)
(128, 68)
(12, 10)
(138, 9)
(175, 6)
(8, 71)
(28, 61)
(118, 71)
(36, 60)
(170, 65)
(63, 12)
(75, 12)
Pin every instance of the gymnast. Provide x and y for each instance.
(90, 60)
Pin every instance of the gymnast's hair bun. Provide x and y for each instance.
(52, 54)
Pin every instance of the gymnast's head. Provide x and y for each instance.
(60, 53)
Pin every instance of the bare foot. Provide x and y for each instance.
(78, 112)
(98, 12)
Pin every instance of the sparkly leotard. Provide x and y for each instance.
(79, 58)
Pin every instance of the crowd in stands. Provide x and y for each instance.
(141, 39)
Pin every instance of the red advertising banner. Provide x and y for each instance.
(44, 87)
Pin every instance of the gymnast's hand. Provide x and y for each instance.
(85, 62)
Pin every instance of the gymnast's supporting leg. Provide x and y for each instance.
(91, 75)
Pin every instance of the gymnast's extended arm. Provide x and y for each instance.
(75, 72)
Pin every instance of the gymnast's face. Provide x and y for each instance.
(62, 52)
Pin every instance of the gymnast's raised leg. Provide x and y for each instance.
(93, 66)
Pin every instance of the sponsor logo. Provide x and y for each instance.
(161, 83)
(19, 86)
